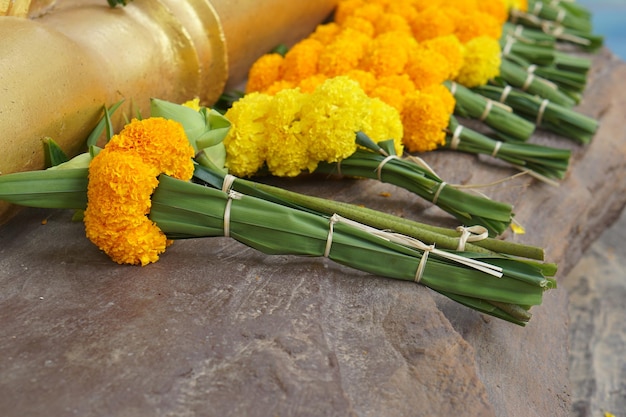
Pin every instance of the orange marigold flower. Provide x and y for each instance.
(122, 178)
(425, 119)
(326, 33)
(450, 47)
(427, 67)
(421, 5)
(391, 22)
(301, 60)
(444, 94)
(279, 85)
(160, 142)
(391, 96)
(370, 11)
(496, 8)
(482, 62)
(264, 72)
(403, 8)
(366, 79)
(388, 54)
(309, 84)
(392, 90)
(475, 24)
(344, 53)
(432, 23)
(346, 9)
(462, 6)
(360, 25)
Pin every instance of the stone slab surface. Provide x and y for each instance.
(218, 329)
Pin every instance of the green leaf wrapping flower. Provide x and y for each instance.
(545, 114)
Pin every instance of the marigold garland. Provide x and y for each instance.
(371, 40)
(122, 177)
(292, 131)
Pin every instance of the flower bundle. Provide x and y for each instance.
(335, 130)
(543, 113)
(565, 21)
(543, 162)
(131, 172)
(404, 52)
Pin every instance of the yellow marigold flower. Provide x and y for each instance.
(450, 47)
(245, 143)
(264, 72)
(332, 115)
(160, 142)
(326, 33)
(122, 178)
(360, 25)
(344, 53)
(475, 24)
(444, 94)
(431, 23)
(385, 124)
(301, 60)
(287, 146)
(482, 62)
(193, 104)
(427, 67)
(521, 5)
(309, 84)
(388, 54)
(425, 119)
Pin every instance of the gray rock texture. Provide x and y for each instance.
(218, 329)
(597, 291)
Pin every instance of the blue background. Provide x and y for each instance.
(609, 20)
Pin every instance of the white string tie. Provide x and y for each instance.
(379, 169)
(487, 110)
(528, 82)
(422, 265)
(408, 241)
(509, 45)
(331, 230)
(505, 93)
(232, 195)
(531, 69)
(542, 109)
(436, 197)
(228, 182)
(453, 88)
(456, 138)
(471, 234)
(496, 148)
